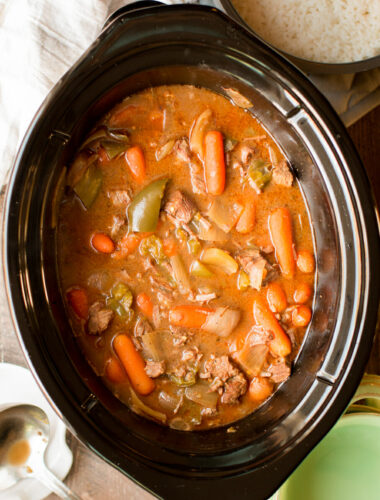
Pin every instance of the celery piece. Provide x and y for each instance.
(152, 247)
(119, 290)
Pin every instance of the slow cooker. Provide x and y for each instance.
(198, 45)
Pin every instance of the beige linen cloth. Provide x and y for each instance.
(41, 39)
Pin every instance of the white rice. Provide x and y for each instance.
(331, 31)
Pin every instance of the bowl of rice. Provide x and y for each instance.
(320, 36)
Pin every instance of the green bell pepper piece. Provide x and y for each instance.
(144, 210)
(87, 189)
(259, 173)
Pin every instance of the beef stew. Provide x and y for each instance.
(186, 256)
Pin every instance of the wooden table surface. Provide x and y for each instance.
(92, 478)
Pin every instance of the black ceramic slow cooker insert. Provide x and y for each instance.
(199, 46)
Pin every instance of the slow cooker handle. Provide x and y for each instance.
(118, 7)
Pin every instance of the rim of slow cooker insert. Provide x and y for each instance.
(82, 420)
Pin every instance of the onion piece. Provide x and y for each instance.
(220, 258)
(238, 98)
(164, 150)
(142, 409)
(180, 274)
(209, 232)
(224, 215)
(200, 394)
(252, 358)
(200, 270)
(197, 133)
(222, 321)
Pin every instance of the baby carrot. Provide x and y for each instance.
(102, 243)
(276, 298)
(144, 303)
(301, 316)
(127, 245)
(247, 219)
(280, 228)
(114, 371)
(302, 293)
(136, 162)
(189, 316)
(305, 261)
(170, 247)
(78, 301)
(133, 364)
(215, 168)
(280, 345)
(260, 389)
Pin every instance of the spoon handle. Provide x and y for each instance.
(55, 485)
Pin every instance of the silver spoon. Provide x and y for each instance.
(24, 435)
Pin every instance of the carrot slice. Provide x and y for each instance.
(114, 371)
(78, 301)
(133, 364)
(280, 345)
(215, 168)
(247, 219)
(145, 304)
(170, 247)
(280, 228)
(136, 161)
(102, 243)
(189, 316)
(127, 245)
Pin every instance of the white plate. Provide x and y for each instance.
(17, 386)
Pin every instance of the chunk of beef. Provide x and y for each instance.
(227, 378)
(155, 368)
(182, 149)
(245, 154)
(183, 152)
(220, 367)
(180, 207)
(282, 175)
(255, 266)
(197, 178)
(180, 335)
(119, 197)
(209, 412)
(99, 318)
(279, 371)
(233, 389)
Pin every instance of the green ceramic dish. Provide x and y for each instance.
(346, 463)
